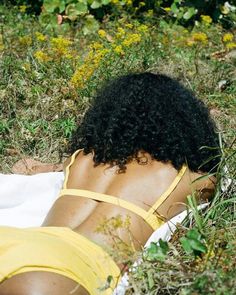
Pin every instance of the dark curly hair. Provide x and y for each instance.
(152, 113)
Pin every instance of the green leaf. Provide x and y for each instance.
(186, 245)
(192, 243)
(174, 8)
(105, 2)
(96, 4)
(157, 252)
(189, 13)
(73, 10)
(164, 246)
(193, 234)
(150, 279)
(48, 19)
(91, 25)
(54, 5)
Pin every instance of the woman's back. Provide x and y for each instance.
(141, 184)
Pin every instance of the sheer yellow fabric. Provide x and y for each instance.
(149, 216)
(58, 250)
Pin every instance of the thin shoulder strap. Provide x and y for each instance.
(67, 171)
(111, 200)
(170, 189)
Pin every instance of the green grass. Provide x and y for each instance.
(40, 107)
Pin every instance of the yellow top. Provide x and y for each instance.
(59, 250)
(149, 216)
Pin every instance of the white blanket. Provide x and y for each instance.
(26, 199)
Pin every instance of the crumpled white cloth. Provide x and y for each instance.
(26, 199)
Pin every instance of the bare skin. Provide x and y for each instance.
(140, 184)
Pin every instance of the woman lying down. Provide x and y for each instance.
(138, 152)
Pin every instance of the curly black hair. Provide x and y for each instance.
(152, 113)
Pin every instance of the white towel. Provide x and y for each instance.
(26, 199)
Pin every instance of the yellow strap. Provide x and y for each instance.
(148, 216)
(72, 159)
(170, 189)
(106, 198)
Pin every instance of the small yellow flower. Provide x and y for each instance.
(231, 45)
(40, 37)
(102, 33)
(22, 8)
(60, 46)
(25, 41)
(130, 26)
(142, 4)
(143, 28)
(119, 50)
(120, 33)
(59, 42)
(149, 13)
(228, 37)
(96, 45)
(200, 37)
(206, 19)
(131, 39)
(129, 2)
(167, 9)
(41, 56)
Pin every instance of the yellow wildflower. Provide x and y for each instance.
(142, 4)
(200, 37)
(228, 37)
(143, 28)
(102, 33)
(120, 33)
(116, 222)
(96, 45)
(41, 56)
(60, 42)
(115, 1)
(149, 13)
(86, 70)
(129, 2)
(40, 37)
(22, 8)
(231, 45)
(167, 9)
(81, 75)
(206, 19)
(130, 26)
(119, 49)
(131, 39)
(60, 45)
(26, 40)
